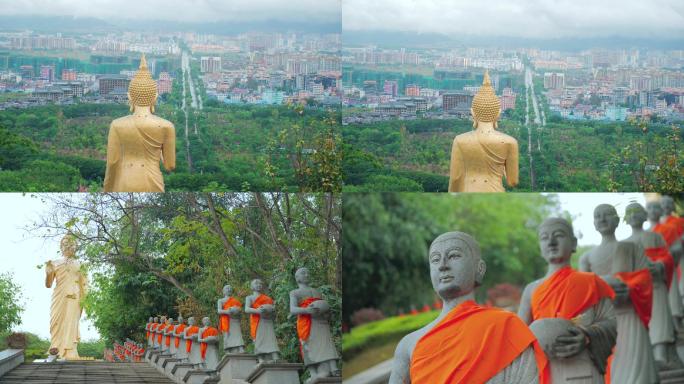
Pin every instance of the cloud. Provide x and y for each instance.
(322, 11)
(519, 18)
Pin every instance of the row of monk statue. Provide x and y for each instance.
(196, 347)
(616, 320)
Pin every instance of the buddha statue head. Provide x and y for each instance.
(557, 241)
(68, 246)
(302, 276)
(635, 215)
(654, 211)
(456, 266)
(206, 322)
(191, 321)
(668, 204)
(227, 290)
(606, 219)
(142, 90)
(257, 285)
(180, 319)
(150, 320)
(486, 107)
(156, 319)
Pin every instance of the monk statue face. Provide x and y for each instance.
(191, 321)
(257, 285)
(206, 322)
(150, 320)
(455, 265)
(556, 241)
(606, 219)
(302, 276)
(227, 290)
(635, 215)
(180, 319)
(68, 246)
(163, 320)
(654, 210)
(668, 205)
(169, 321)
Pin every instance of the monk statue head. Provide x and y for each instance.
(191, 321)
(606, 219)
(169, 320)
(668, 204)
(635, 215)
(654, 211)
(156, 319)
(180, 319)
(456, 266)
(227, 290)
(257, 285)
(142, 90)
(150, 320)
(486, 107)
(68, 246)
(557, 241)
(206, 322)
(163, 320)
(302, 276)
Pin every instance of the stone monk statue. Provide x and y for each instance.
(65, 311)
(626, 269)
(571, 312)
(467, 343)
(261, 309)
(661, 327)
(229, 309)
(481, 158)
(138, 142)
(313, 328)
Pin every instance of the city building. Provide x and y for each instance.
(457, 101)
(109, 83)
(507, 99)
(164, 84)
(390, 87)
(210, 64)
(553, 80)
(412, 90)
(47, 72)
(69, 75)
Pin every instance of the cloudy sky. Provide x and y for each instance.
(519, 18)
(320, 11)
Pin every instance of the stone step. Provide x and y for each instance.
(673, 376)
(84, 373)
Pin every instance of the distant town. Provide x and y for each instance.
(249, 68)
(596, 84)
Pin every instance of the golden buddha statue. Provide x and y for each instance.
(138, 142)
(481, 158)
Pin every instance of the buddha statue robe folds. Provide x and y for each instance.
(138, 142)
(481, 158)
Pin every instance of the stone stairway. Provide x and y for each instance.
(83, 372)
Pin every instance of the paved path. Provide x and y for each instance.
(82, 372)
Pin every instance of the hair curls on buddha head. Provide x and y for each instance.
(142, 91)
(486, 106)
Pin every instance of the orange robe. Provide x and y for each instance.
(304, 321)
(168, 337)
(567, 293)
(147, 328)
(179, 329)
(640, 292)
(188, 343)
(662, 255)
(224, 320)
(254, 318)
(159, 329)
(210, 331)
(471, 345)
(675, 231)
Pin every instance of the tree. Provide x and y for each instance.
(10, 303)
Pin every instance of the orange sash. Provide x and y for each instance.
(210, 331)
(567, 293)
(254, 318)
(471, 345)
(179, 329)
(304, 321)
(224, 320)
(159, 330)
(168, 337)
(188, 343)
(668, 232)
(662, 255)
(147, 328)
(640, 291)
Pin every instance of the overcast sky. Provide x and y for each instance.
(319, 11)
(519, 18)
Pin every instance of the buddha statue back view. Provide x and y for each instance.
(481, 158)
(138, 142)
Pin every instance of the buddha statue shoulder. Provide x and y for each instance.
(482, 157)
(138, 142)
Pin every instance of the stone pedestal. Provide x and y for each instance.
(180, 370)
(275, 373)
(168, 364)
(198, 376)
(235, 366)
(326, 380)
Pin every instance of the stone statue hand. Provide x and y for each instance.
(233, 311)
(571, 344)
(656, 270)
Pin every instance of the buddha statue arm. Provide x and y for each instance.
(602, 333)
(525, 309)
(113, 156)
(402, 361)
(512, 165)
(49, 274)
(523, 370)
(248, 306)
(169, 149)
(295, 309)
(456, 169)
